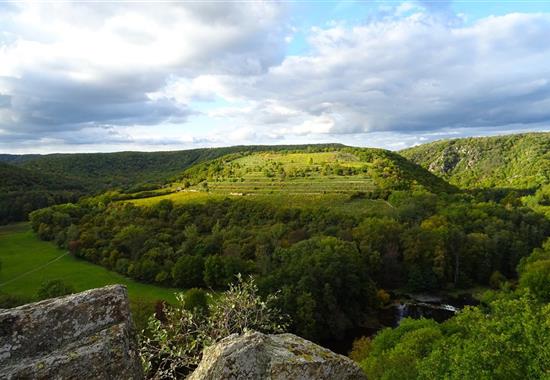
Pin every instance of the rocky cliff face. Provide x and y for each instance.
(255, 356)
(87, 335)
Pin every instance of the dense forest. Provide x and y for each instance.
(506, 337)
(328, 265)
(335, 232)
(23, 190)
(515, 162)
(519, 161)
(124, 170)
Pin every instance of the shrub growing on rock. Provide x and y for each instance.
(54, 288)
(196, 300)
(173, 348)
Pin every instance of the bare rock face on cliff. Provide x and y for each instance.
(273, 357)
(87, 335)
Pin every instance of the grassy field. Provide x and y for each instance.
(27, 262)
(198, 197)
(340, 202)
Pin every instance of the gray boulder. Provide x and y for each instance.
(273, 357)
(87, 335)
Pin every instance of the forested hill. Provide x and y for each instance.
(23, 190)
(34, 181)
(102, 171)
(519, 161)
(16, 179)
(295, 170)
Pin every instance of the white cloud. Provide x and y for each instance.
(201, 88)
(72, 66)
(319, 124)
(411, 75)
(135, 75)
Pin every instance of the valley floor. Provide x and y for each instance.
(27, 262)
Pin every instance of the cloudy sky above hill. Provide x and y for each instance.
(109, 76)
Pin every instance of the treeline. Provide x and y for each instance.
(132, 171)
(327, 265)
(22, 191)
(506, 337)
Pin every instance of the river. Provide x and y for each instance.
(439, 308)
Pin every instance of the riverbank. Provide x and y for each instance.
(438, 306)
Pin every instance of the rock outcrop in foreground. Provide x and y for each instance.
(273, 357)
(87, 335)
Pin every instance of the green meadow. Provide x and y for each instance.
(340, 202)
(27, 262)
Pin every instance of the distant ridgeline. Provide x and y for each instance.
(34, 181)
(515, 162)
(372, 172)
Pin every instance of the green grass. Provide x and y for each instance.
(21, 251)
(340, 202)
(302, 174)
(179, 197)
(284, 172)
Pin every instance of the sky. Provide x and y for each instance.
(103, 76)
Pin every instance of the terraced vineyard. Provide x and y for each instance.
(349, 179)
(291, 173)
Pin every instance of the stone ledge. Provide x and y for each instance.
(88, 335)
(255, 356)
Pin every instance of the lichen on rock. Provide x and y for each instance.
(88, 335)
(273, 357)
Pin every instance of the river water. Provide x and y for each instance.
(405, 306)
